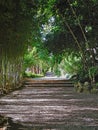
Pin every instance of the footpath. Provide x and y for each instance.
(50, 105)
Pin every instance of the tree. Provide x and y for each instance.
(59, 26)
(77, 29)
(16, 24)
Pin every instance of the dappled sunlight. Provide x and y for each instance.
(56, 108)
(48, 48)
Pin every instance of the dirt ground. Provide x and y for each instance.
(50, 108)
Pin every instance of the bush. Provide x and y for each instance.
(94, 91)
(78, 87)
(31, 75)
(96, 85)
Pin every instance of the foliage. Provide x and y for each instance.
(73, 29)
(31, 75)
(93, 70)
(37, 57)
(30, 58)
(57, 26)
(71, 63)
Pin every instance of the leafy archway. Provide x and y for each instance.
(56, 26)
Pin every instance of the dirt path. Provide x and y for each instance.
(51, 108)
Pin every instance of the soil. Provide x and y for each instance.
(50, 108)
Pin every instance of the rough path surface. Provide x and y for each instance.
(51, 108)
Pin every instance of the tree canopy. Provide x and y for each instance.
(58, 26)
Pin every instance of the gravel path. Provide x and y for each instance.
(50, 108)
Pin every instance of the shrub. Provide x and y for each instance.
(31, 75)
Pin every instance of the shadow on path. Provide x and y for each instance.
(50, 108)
